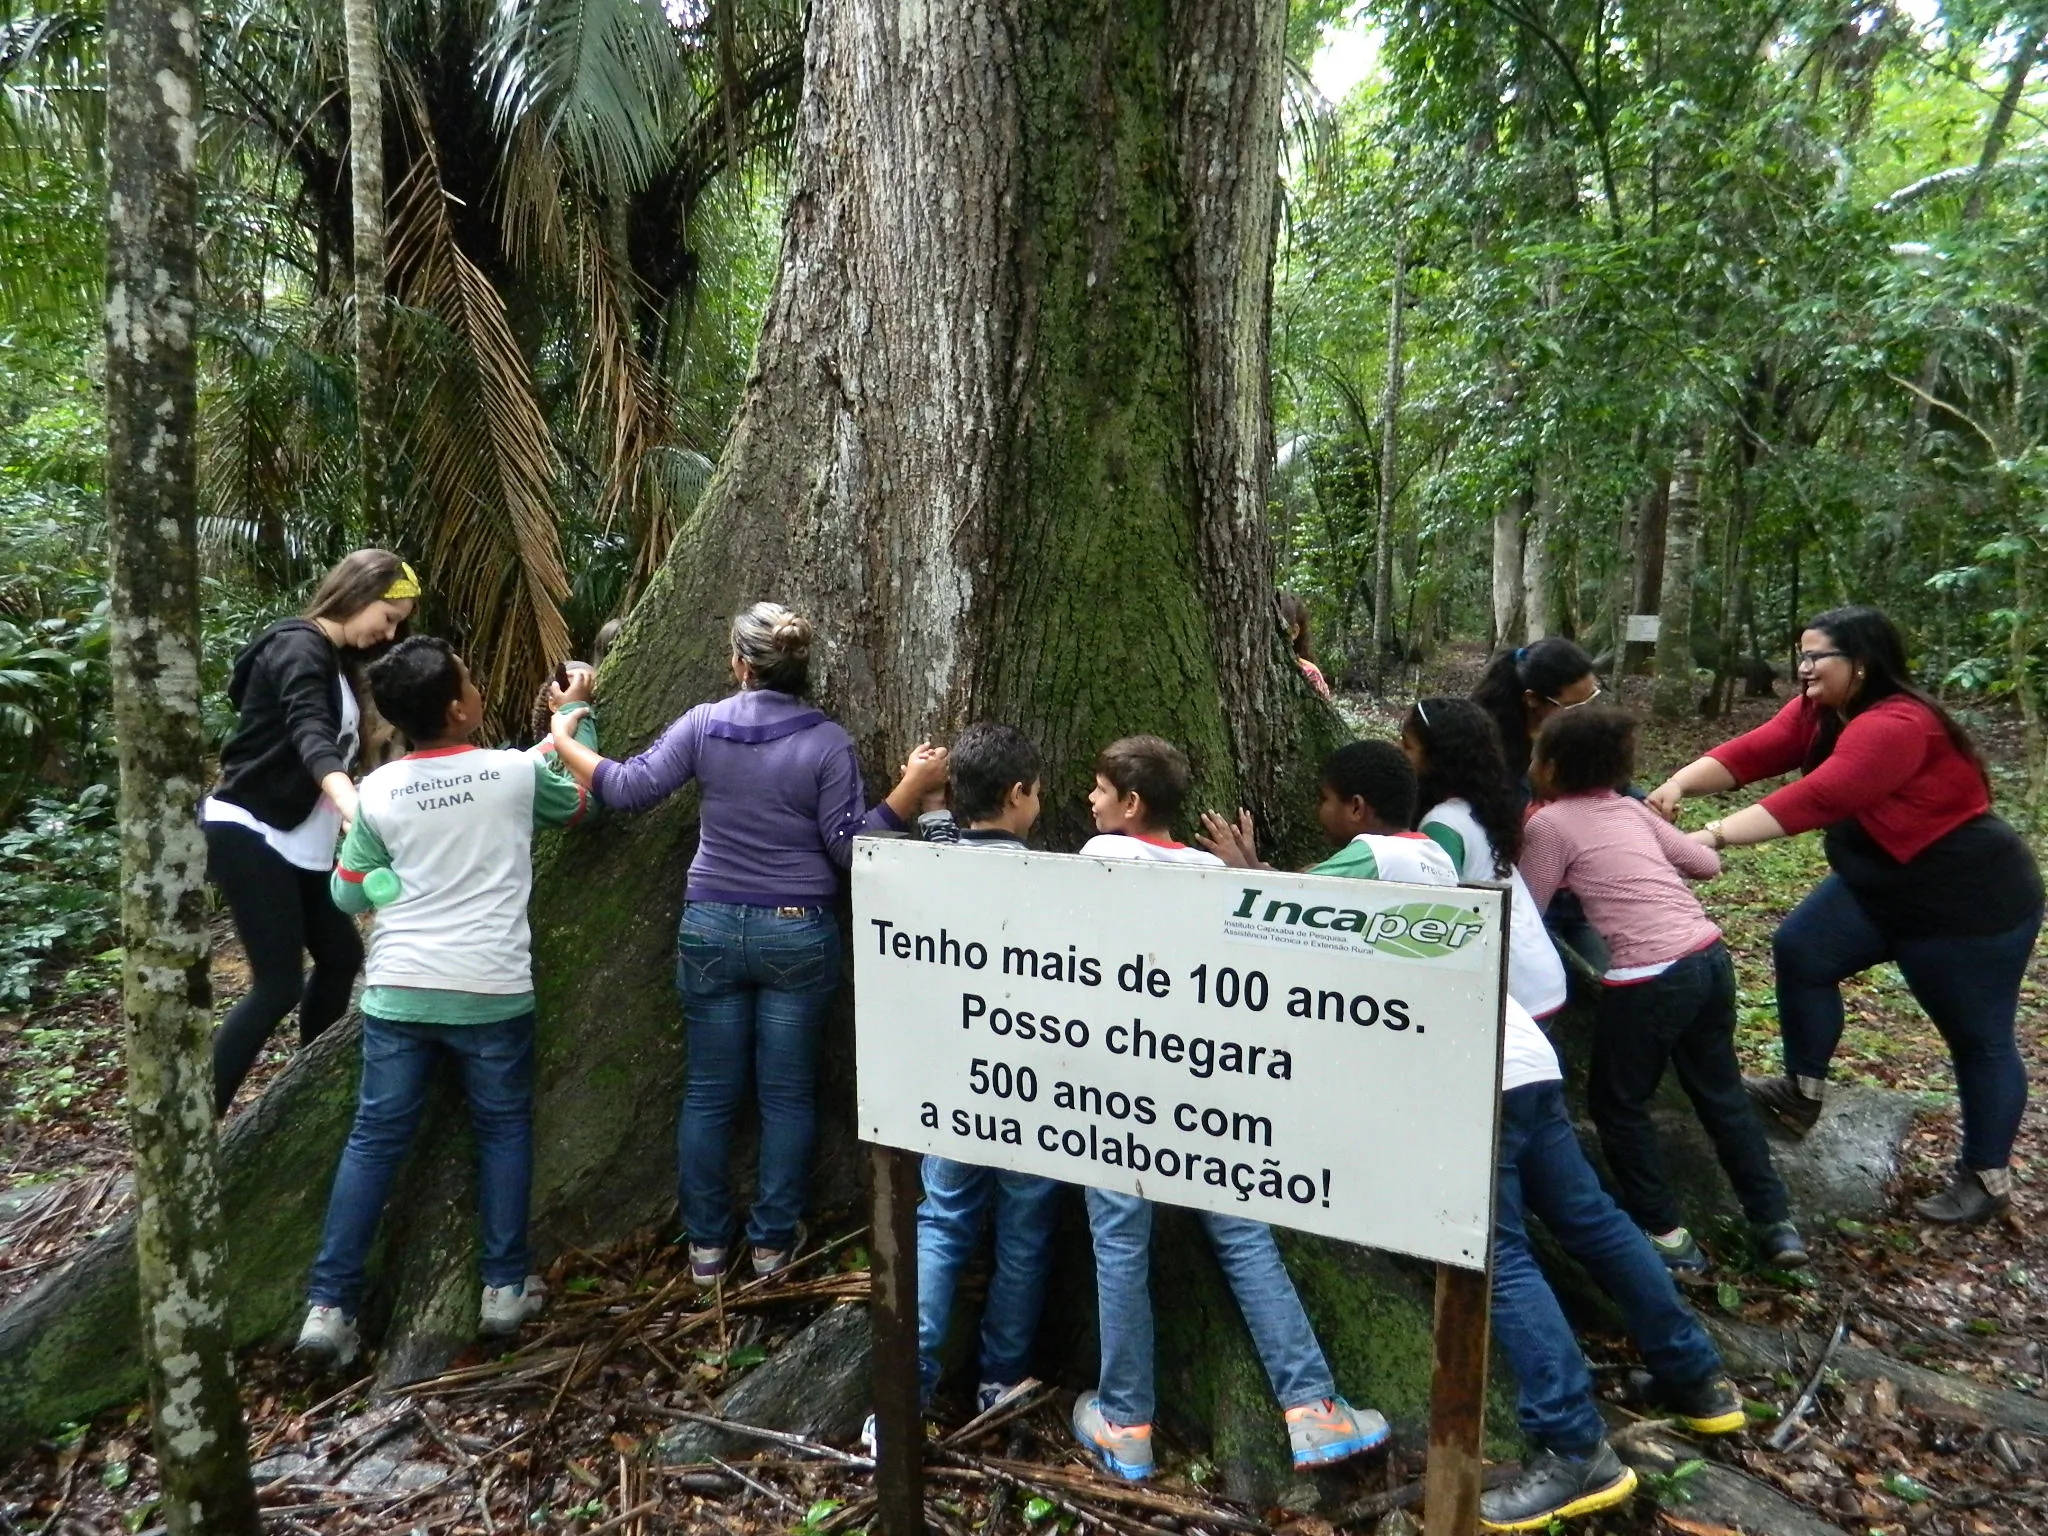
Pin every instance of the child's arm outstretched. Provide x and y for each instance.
(362, 853)
(1692, 859)
(1544, 859)
(563, 799)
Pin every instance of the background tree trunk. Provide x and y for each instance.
(1647, 584)
(1539, 561)
(366, 195)
(1672, 696)
(1005, 440)
(1507, 571)
(1390, 479)
(200, 1441)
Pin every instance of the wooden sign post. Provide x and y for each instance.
(899, 1430)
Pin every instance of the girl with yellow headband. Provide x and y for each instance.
(284, 798)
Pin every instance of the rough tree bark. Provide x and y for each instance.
(366, 197)
(200, 1440)
(1005, 440)
(1671, 698)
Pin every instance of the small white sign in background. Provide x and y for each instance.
(1642, 627)
(1313, 1052)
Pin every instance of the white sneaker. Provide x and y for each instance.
(329, 1338)
(507, 1306)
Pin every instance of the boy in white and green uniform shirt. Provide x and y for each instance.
(450, 971)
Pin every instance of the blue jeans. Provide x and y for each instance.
(1969, 986)
(1543, 1170)
(398, 1065)
(756, 986)
(1122, 1228)
(948, 1223)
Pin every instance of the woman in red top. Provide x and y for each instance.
(1923, 874)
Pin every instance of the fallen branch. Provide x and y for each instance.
(752, 1431)
(1781, 1436)
(761, 1488)
(1040, 1479)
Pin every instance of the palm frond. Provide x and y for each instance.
(481, 451)
(600, 76)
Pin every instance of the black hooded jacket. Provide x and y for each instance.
(286, 688)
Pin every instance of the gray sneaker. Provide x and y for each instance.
(507, 1306)
(1553, 1487)
(1332, 1430)
(328, 1339)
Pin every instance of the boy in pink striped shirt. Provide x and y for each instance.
(1668, 995)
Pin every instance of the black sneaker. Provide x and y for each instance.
(1780, 1098)
(1682, 1256)
(1780, 1246)
(1710, 1407)
(1964, 1203)
(1552, 1488)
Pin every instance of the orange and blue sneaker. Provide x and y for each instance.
(1124, 1450)
(1330, 1429)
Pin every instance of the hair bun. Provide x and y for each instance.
(793, 637)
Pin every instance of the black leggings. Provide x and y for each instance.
(280, 911)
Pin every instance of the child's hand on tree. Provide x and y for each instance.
(1232, 842)
(576, 691)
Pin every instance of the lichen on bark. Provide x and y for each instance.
(152, 507)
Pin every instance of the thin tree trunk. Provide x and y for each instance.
(366, 193)
(1671, 698)
(1539, 560)
(1390, 441)
(201, 1443)
(1508, 595)
(1646, 593)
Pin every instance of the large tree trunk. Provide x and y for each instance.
(202, 1448)
(1006, 442)
(366, 196)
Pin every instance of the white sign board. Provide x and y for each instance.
(1641, 627)
(1313, 1052)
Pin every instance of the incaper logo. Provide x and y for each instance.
(1420, 930)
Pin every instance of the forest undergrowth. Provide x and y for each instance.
(558, 1434)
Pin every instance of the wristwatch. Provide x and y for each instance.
(1720, 837)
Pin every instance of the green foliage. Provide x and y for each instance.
(58, 864)
(1754, 230)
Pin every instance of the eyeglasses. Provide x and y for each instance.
(1580, 703)
(1815, 658)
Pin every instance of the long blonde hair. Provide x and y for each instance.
(356, 582)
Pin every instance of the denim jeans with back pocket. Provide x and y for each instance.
(756, 986)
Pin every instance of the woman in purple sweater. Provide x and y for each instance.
(758, 953)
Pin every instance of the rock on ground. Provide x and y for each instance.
(816, 1385)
